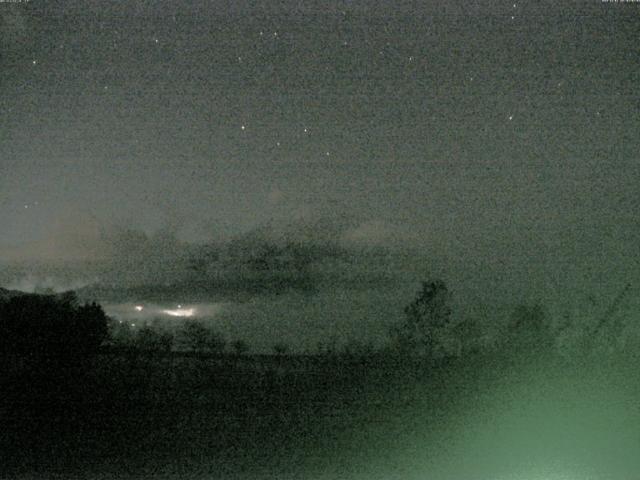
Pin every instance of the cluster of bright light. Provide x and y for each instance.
(181, 312)
(173, 312)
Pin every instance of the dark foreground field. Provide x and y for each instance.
(180, 416)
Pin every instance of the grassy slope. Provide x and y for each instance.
(180, 417)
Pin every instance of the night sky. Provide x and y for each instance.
(501, 137)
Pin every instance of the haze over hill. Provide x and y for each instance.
(309, 281)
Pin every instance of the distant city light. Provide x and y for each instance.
(139, 308)
(181, 312)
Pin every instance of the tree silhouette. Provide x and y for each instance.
(51, 327)
(122, 335)
(194, 336)
(529, 329)
(425, 319)
(280, 349)
(468, 336)
(215, 342)
(240, 347)
(357, 349)
(151, 339)
(199, 338)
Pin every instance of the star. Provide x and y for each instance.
(510, 117)
(34, 62)
(242, 127)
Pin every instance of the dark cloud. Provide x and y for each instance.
(304, 256)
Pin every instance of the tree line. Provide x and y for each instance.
(43, 327)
